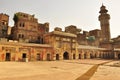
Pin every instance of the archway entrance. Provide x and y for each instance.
(92, 56)
(73, 56)
(95, 55)
(38, 57)
(7, 57)
(118, 56)
(79, 56)
(48, 57)
(57, 56)
(66, 56)
(24, 56)
(85, 56)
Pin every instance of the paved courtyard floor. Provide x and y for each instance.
(58, 70)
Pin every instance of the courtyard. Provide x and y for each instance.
(59, 70)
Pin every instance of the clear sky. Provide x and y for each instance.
(61, 13)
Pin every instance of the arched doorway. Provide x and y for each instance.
(95, 55)
(103, 55)
(106, 56)
(79, 56)
(100, 55)
(118, 56)
(85, 56)
(8, 56)
(109, 56)
(66, 56)
(48, 57)
(38, 57)
(91, 56)
(73, 56)
(57, 56)
(24, 56)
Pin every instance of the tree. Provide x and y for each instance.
(15, 18)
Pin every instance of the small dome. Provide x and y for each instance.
(103, 9)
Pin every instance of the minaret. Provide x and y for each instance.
(104, 23)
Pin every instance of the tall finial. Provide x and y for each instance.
(102, 4)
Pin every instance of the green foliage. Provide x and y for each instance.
(91, 38)
(15, 18)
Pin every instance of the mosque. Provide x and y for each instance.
(30, 40)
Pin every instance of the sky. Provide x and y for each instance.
(61, 13)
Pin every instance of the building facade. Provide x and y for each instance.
(32, 40)
(27, 28)
(12, 51)
(64, 44)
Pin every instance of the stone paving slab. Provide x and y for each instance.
(53, 70)
(56, 70)
(107, 73)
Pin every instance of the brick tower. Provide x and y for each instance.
(104, 23)
(4, 20)
(25, 27)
